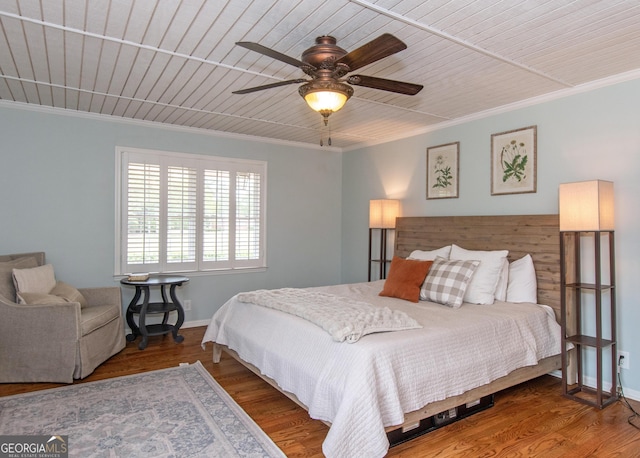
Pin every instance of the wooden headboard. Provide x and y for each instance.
(537, 235)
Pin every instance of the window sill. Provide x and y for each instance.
(202, 273)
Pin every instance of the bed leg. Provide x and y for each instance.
(217, 352)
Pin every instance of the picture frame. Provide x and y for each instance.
(514, 161)
(443, 171)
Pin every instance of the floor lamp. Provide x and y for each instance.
(586, 212)
(382, 217)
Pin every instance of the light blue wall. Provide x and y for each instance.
(593, 135)
(58, 193)
(58, 196)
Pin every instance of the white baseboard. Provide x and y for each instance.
(195, 324)
(631, 394)
(591, 382)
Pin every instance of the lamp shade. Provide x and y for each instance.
(586, 206)
(383, 213)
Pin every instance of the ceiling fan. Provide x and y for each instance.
(327, 64)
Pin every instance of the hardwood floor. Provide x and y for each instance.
(530, 420)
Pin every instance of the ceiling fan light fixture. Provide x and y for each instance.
(325, 97)
(325, 100)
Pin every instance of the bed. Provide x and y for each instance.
(390, 380)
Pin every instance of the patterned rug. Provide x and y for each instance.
(177, 412)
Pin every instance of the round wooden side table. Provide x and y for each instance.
(145, 308)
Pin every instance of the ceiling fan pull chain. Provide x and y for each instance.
(322, 131)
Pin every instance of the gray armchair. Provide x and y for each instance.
(55, 342)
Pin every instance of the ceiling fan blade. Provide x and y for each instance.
(386, 85)
(383, 46)
(270, 53)
(269, 86)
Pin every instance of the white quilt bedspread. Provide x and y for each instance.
(344, 318)
(362, 388)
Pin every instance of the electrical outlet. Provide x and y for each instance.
(187, 305)
(624, 364)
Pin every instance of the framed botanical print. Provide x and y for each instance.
(442, 171)
(513, 161)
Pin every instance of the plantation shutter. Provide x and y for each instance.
(188, 213)
(247, 216)
(216, 228)
(181, 218)
(142, 229)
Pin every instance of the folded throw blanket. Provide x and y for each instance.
(343, 318)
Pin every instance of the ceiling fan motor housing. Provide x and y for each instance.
(324, 53)
(320, 85)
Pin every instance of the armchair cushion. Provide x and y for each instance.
(40, 299)
(61, 293)
(69, 293)
(97, 316)
(39, 279)
(7, 288)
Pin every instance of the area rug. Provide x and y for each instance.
(177, 412)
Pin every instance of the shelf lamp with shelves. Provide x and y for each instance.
(588, 305)
(382, 223)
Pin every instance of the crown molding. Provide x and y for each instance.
(549, 97)
(157, 125)
(556, 95)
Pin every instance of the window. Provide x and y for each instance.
(185, 212)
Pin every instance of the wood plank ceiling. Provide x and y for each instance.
(176, 62)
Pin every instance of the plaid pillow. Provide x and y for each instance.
(447, 281)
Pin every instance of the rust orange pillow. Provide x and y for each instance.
(405, 278)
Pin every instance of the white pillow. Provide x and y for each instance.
(523, 286)
(421, 255)
(35, 280)
(503, 282)
(483, 284)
